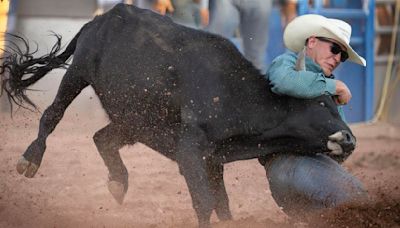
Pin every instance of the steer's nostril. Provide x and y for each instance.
(349, 142)
(347, 136)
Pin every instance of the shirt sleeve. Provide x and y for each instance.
(285, 80)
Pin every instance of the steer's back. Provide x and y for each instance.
(153, 72)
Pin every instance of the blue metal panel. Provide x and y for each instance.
(354, 77)
(340, 13)
(275, 42)
(302, 7)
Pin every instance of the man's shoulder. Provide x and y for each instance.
(282, 63)
(287, 55)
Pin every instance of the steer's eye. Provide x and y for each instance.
(322, 103)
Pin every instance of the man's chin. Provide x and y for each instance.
(327, 72)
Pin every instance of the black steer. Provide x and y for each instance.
(188, 94)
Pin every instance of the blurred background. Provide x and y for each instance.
(375, 88)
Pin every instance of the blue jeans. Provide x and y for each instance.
(307, 183)
(252, 19)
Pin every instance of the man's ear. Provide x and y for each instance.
(312, 41)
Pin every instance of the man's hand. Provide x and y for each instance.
(343, 93)
(163, 6)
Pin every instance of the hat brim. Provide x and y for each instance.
(305, 26)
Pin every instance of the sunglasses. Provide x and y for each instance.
(335, 48)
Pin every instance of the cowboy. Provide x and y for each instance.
(317, 45)
(322, 44)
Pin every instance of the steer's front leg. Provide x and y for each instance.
(191, 158)
(108, 142)
(216, 175)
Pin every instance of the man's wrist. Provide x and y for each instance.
(330, 86)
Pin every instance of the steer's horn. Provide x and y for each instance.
(337, 137)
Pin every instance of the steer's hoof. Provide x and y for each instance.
(117, 190)
(27, 167)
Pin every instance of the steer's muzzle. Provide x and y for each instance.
(341, 142)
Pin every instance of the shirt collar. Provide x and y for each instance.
(314, 67)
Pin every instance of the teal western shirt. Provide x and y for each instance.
(311, 83)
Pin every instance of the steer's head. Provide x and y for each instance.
(313, 126)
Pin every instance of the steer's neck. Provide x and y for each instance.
(250, 108)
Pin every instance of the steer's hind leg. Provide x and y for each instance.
(191, 157)
(216, 174)
(108, 142)
(71, 85)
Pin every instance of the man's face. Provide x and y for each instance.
(326, 52)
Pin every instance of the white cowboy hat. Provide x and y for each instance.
(305, 26)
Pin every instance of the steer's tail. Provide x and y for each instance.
(19, 69)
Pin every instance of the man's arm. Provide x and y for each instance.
(163, 6)
(285, 79)
(204, 12)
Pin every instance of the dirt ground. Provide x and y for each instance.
(70, 188)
